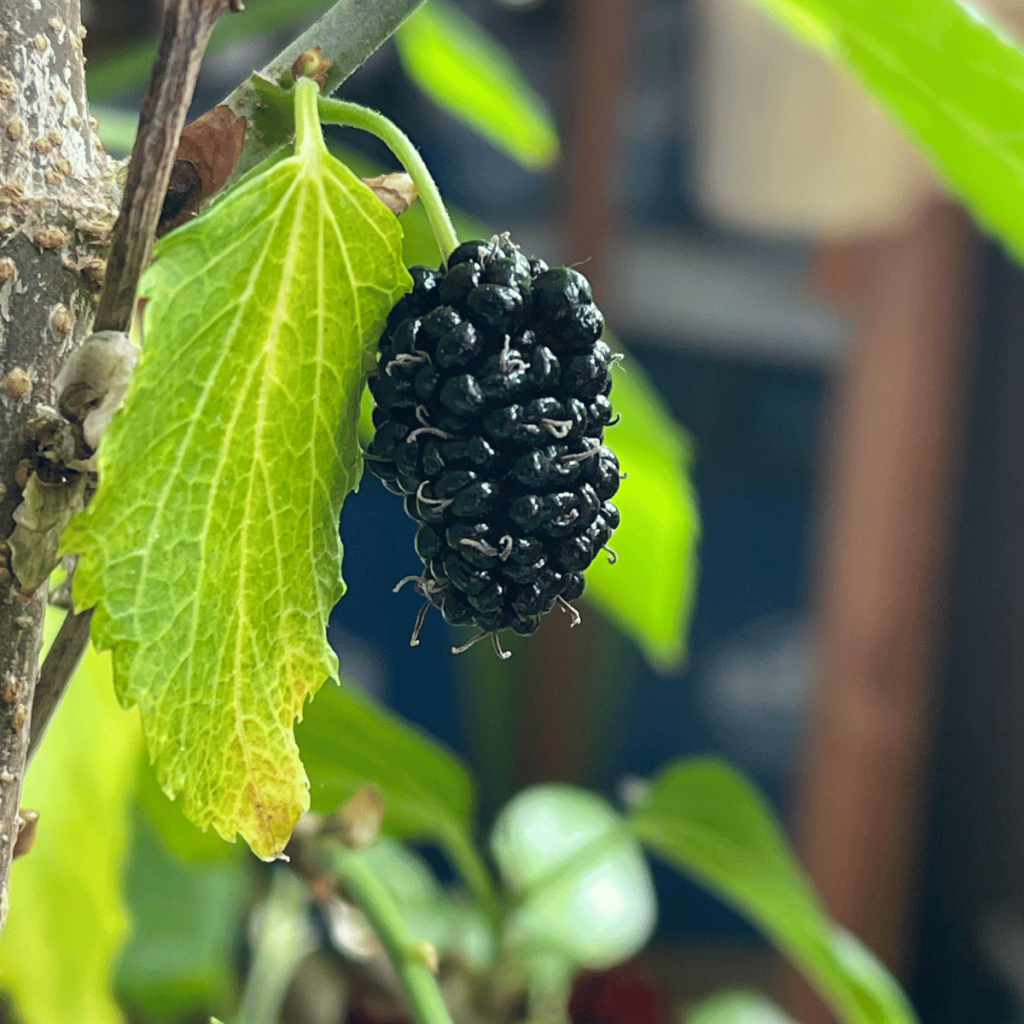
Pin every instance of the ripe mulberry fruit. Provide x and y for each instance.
(491, 402)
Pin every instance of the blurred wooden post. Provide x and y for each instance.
(597, 43)
(883, 584)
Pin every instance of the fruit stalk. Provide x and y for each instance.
(352, 115)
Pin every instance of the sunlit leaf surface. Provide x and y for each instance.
(211, 549)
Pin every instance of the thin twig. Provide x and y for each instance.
(58, 667)
(186, 30)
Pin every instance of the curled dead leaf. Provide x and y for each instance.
(207, 153)
(312, 64)
(397, 191)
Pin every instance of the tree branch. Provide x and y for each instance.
(348, 34)
(186, 30)
(56, 204)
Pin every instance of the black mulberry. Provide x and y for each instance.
(491, 403)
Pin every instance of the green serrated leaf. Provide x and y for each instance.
(67, 917)
(211, 548)
(705, 819)
(179, 835)
(469, 74)
(949, 77)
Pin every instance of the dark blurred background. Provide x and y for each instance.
(843, 348)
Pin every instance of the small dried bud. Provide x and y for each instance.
(28, 821)
(18, 718)
(93, 270)
(62, 319)
(92, 384)
(10, 690)
(50, 238)
(7, 269)
(311, 64)
(15, 129)
(359, 820)
(17, 383)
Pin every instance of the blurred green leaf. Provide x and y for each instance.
(706, 820)
(469, 74)
(801, 22)
(187, 915)
(68, 917)
(582, 886)
(347, 741)
(115, 73)
(648, 592)
(737, 1008)
(954, 82)
(116, 129)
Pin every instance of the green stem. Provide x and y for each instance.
(468, 863)
(406, 956)
(352, 115)
(283, 941)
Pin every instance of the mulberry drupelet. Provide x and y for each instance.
(491, 402)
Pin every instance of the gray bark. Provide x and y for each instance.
(57, 202)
